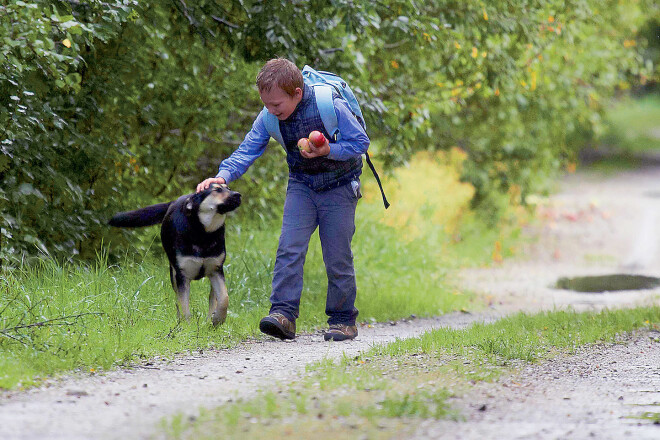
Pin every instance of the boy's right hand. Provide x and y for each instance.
(206, 183)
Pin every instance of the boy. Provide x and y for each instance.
(323, 191)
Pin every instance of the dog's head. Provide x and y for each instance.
(212, 204)
(223, 199)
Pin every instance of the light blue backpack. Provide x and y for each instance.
(324, 84)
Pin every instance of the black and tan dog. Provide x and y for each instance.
(193, 236)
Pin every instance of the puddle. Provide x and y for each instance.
(608, 283)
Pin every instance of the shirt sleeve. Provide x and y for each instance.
(252, 147)
(353, 141)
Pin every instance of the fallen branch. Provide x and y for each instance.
(14, 338)
(48, 322)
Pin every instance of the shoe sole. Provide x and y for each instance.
(337, 337)
(272, 329)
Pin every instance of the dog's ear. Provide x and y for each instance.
(188, 209)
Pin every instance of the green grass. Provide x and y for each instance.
(632, 128)
(527, 337)
(385, 392)
(90, 318)
(634, 124)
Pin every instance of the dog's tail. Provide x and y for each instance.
(151, 215)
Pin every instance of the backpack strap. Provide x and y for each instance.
(380, 185)
(272, 125)
(326, 107)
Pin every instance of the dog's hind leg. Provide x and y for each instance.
(181, 285)
(218, 298)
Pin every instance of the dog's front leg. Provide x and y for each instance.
(218, 298)
(181, 285)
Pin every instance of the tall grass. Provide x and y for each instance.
(57, 318)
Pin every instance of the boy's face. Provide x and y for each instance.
(280, 103)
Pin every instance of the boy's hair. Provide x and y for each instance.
(282, 73)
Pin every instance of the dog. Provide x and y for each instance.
(193, 236)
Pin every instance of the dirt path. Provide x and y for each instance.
(600, 393)
(594, 225)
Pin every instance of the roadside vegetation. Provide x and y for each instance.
(388, 391)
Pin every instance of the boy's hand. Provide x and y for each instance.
(206, 183)
(323, 150)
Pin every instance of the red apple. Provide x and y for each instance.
(317, 138)
(303, 144)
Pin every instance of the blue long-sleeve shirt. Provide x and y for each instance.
(353, 143)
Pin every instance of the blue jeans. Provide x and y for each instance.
(333, 211)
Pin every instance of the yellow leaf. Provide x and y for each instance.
(394, 64)
(551, 19)
(456, 45)
(485, 15)
(66, 42)
(475, 52)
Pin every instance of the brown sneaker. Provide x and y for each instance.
(340, 332)
(278, 325)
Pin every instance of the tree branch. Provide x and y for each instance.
(225, 22)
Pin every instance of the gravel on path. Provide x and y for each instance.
(602, 392)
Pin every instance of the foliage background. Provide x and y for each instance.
(118, 104)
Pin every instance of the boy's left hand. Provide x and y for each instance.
(321, 151)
